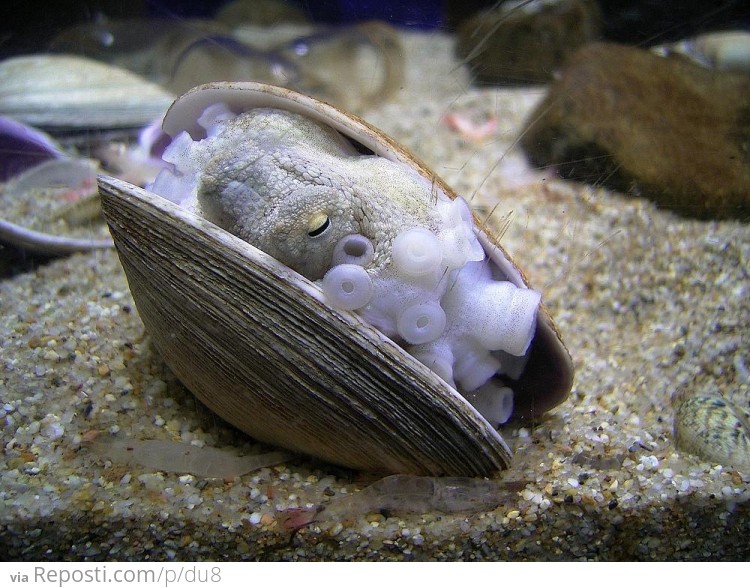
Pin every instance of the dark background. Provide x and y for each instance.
(27, 25)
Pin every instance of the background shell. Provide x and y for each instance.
(45, 243)
(68, 92)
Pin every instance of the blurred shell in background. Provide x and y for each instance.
(68, 92)
(353, 66)
(146, 46)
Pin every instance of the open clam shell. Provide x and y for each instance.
(258, 345)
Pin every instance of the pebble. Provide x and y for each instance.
(53, 430)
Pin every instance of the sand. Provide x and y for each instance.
(650, 305)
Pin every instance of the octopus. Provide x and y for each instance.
(375, 235)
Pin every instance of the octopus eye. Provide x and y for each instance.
(318, 225)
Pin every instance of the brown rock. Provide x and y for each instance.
(526, 44)
(662, 128)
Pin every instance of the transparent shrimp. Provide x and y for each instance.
(182, 458)
(404, 494)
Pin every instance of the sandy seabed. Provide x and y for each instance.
(651, 305)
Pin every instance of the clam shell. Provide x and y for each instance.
(69, 92)
(258, 345)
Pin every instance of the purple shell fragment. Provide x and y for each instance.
(153, 140)
(23, 147)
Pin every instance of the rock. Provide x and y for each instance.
(526, 44)
(663, 128)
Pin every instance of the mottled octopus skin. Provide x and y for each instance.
(296, 164)
(296, 189)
